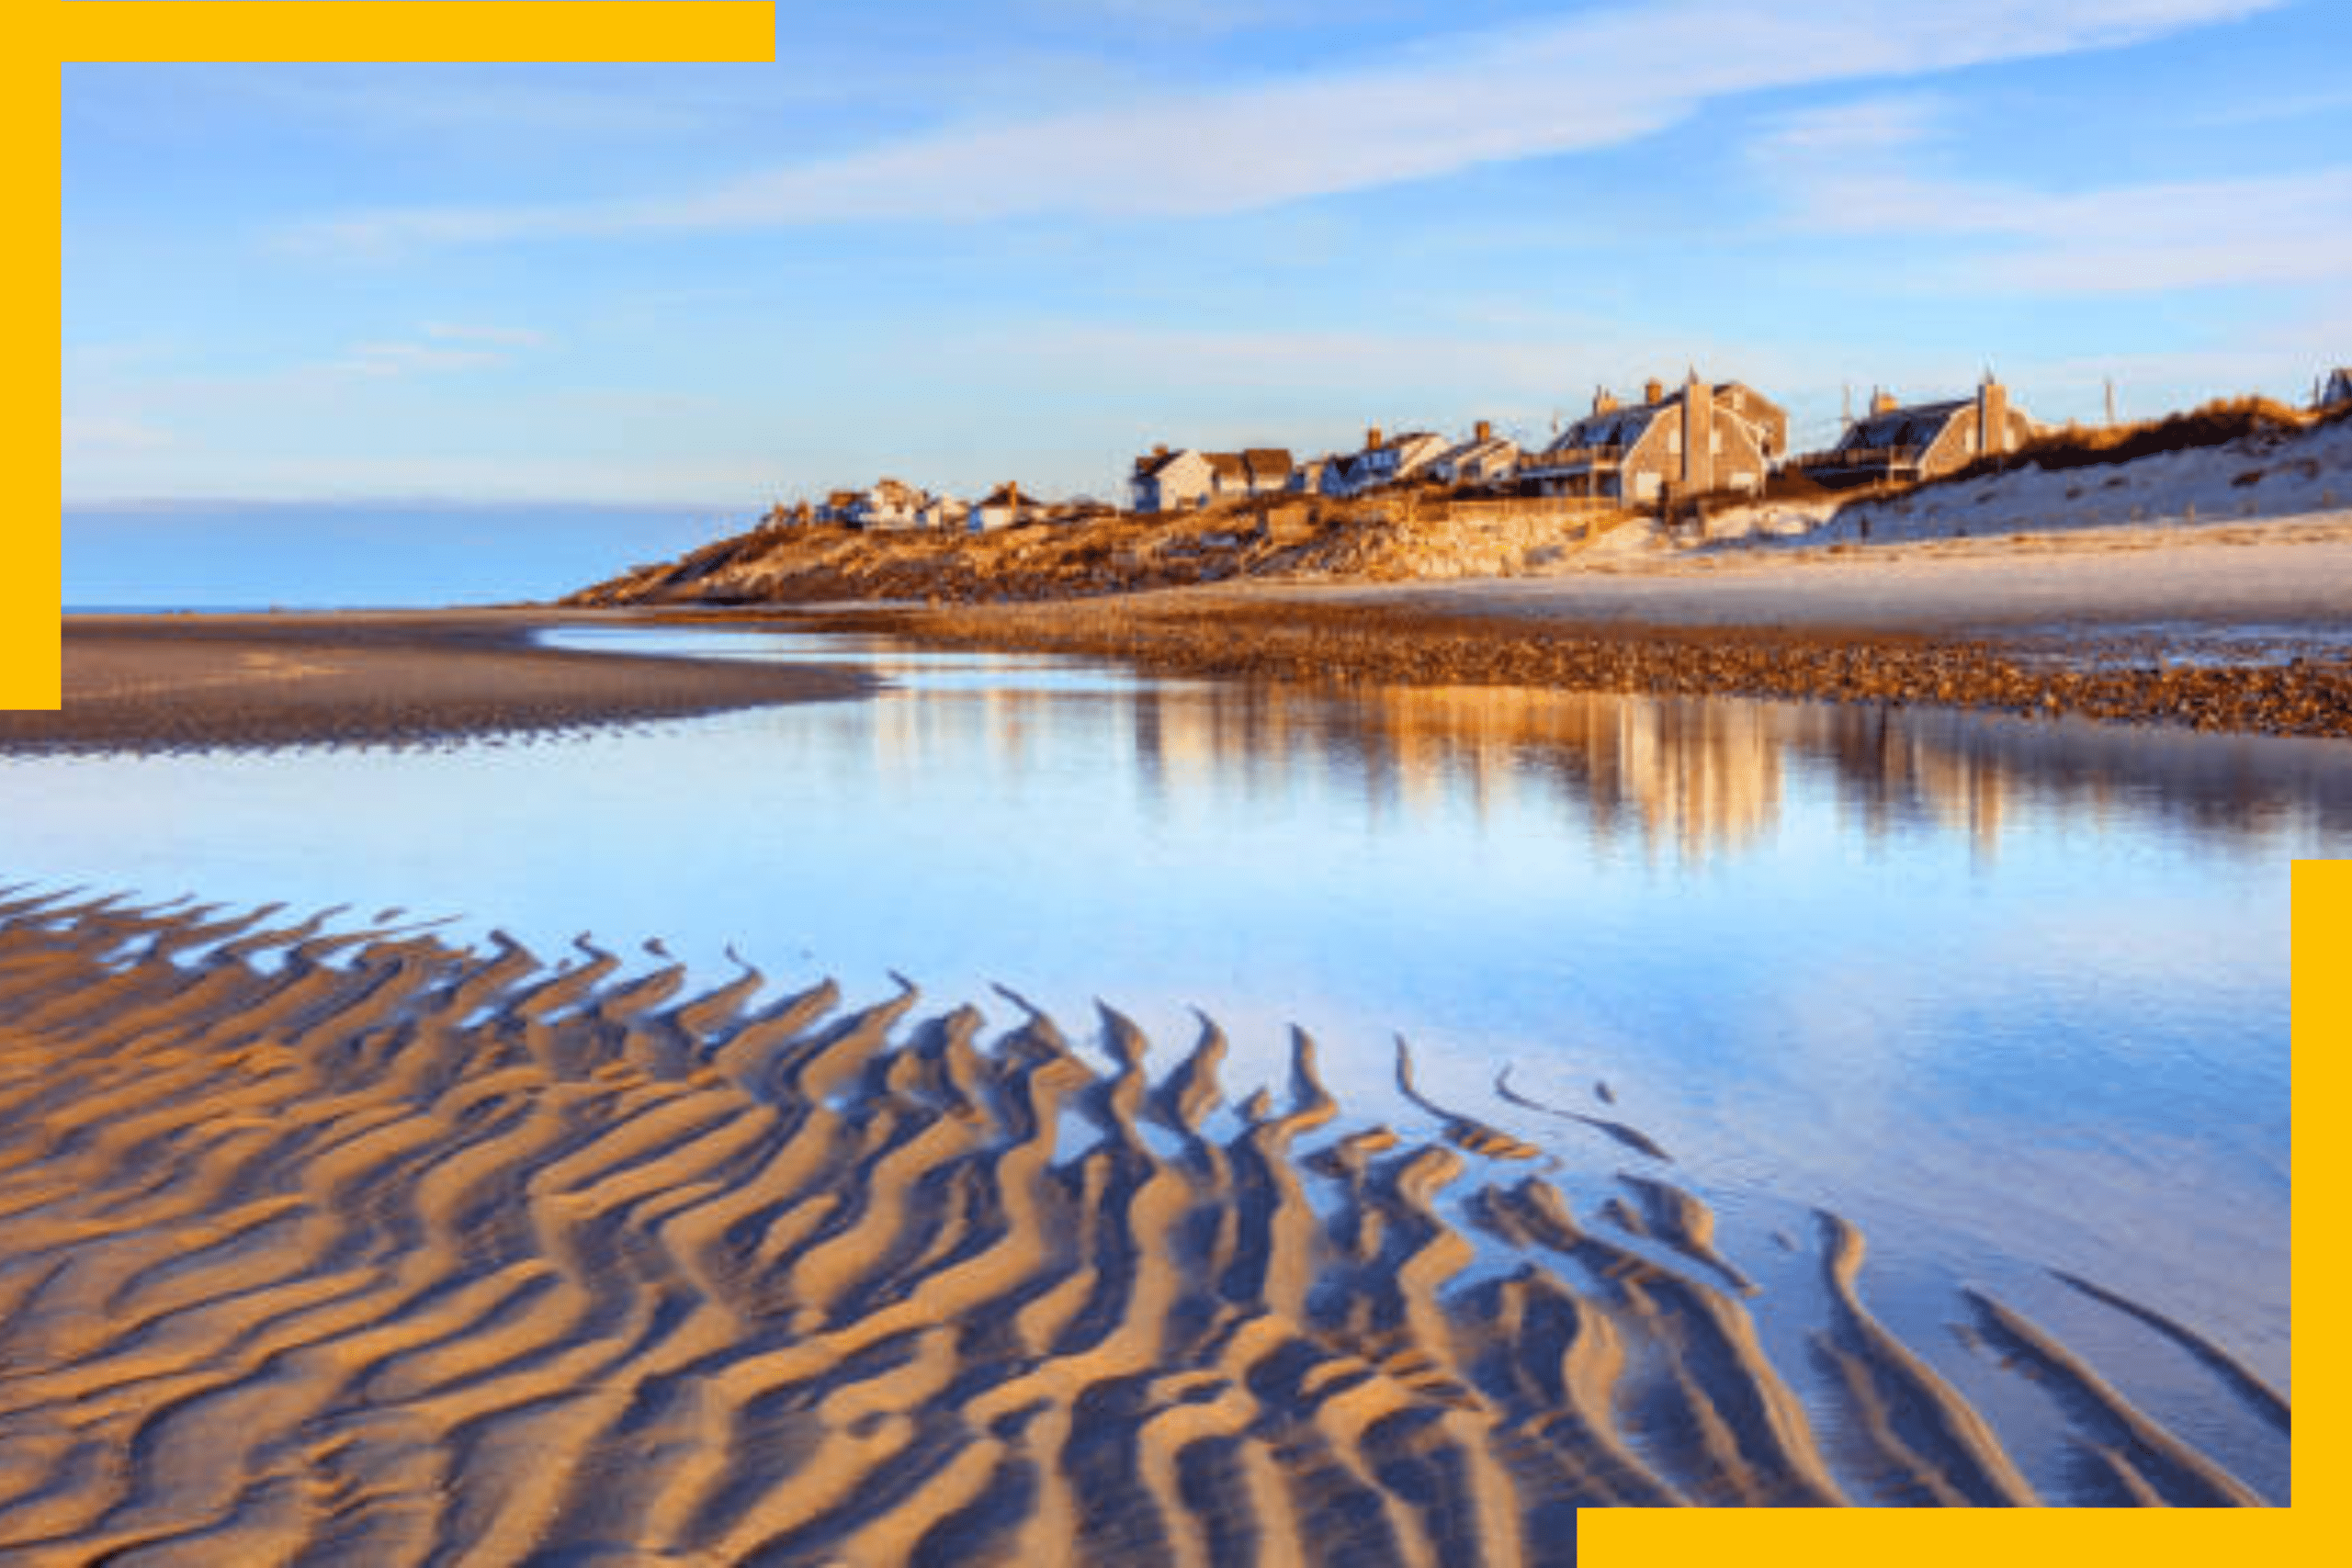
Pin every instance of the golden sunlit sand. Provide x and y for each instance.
(328, 1244)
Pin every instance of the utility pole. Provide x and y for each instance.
(2111, 401)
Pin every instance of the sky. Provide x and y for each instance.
(962, 248)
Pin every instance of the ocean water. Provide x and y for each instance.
(325, 554)
(2012, 996)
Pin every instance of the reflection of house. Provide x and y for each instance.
(1004, 507)
(1701, 437)
(1382, 461)
(1918, 441)
(1171, 481)
(2338, 390)
(1484, 459)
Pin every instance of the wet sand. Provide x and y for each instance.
(327, 1244)
(161, 681)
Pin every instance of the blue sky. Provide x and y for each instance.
(963, 248)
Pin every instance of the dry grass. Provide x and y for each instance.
(2087, 447)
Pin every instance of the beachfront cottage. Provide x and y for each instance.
(1306, 478)
(1004, 506)
(1255, 471)
(1484, 459)
(888, 505)
(1171, 481)
(1702, 436)
(2338, 390)
(944, 512)
(1174, 481)
(1917, 441)
(1384, 461)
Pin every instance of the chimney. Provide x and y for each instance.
(1698, 435)
(1882, 402)
(1485, 431)
(1603, 400)
(1372, 438)
(1653, 390)
(1992, 415)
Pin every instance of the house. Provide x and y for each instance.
(1484, 459)
(1306, 478)
(1702, 436)
(838, 508)
(1004, 507)
(944, 512)
(1384, 461)
(1916, 441)
(2338, 390)
(888, 505)
(1171, 481)
(1259, 470)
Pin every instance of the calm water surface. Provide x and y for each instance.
(2012, 996)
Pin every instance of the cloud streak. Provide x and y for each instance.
(1865, 169)
(1596, 80)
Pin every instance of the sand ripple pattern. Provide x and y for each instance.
(325, 1247)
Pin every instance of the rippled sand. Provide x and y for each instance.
(334, 1247)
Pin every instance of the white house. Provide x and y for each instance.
(1171, 481)
(1003, 507)
(944, 512)
(1384, 461)
(1484, 459)
(888, 505)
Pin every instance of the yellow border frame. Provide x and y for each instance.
(662, 30)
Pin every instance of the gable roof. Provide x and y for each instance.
(1913, 425)
(1153, 464)
(1474, 449)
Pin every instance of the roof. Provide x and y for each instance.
(1619, 426)
(1914, 425)
(1628, 423)
(1007, 495)
(1471, 450)
(1153, 464)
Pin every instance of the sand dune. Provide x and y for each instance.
(321, 1244)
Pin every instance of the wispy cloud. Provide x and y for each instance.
(505, 337)
(109, 435)
(439, 346)
(1857, 169)
(1592, 81)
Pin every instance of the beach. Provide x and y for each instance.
(326, 1237)
(155, 682)
(357, 1245)
(2237, 630)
